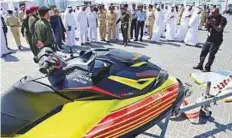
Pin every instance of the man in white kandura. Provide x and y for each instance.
(182, 31)
(191, 37)
(158, 25)
(83, 21)
(92, 20)
(3, 51)
(70, 26)
(170, 32)
(77, 32)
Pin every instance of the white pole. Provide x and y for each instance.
(226, 5)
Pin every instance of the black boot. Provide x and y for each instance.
(20, 48)
(36, 60)
(200, 64)
(60, 47)
(200, 67)
(57, 49)
(207, 69)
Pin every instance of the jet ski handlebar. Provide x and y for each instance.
(49, 61)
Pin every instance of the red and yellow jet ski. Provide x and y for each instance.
(100, 93)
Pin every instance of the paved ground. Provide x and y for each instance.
(176, 58)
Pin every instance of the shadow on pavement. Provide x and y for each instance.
(219, 128)
(10, 58)
(144, 43)
(135, 45)
(25, 49)
(171, 43)
(101, 43)
(150, 135)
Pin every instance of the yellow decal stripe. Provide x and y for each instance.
(131, 82)
(138, 64)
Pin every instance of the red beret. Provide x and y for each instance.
(32, 8)
(28, 10)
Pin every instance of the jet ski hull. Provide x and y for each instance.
(110, 118)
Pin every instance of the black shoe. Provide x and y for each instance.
(136, 40)
(20, 48)
(198, 67)
(82, 44)
(60, 47)
(141, 40)
(8, 48)
(57, 49)
(206, 70)
(3, 55)
(108, 41)
(35, 59)
(70, 50)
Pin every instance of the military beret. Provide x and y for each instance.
(32, 8)
(28, 10)
(44, 9)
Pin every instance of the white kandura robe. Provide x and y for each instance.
(92, 20)
(83, 21)
(170, 26)
(3, 49)
(69, 20)
(77, 32)
(183, 29)
(158, 26)
(191, 37)
(165, 11)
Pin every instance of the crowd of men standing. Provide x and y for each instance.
(46, 27)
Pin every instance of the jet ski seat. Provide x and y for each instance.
(82, 62)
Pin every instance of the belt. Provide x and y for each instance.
(14, 26)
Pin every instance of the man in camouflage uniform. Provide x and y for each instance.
(31, 24)
(125, 21)
(26, 31)
(44, 36)
(130, 20)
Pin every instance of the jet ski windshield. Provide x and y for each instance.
(88, 56)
